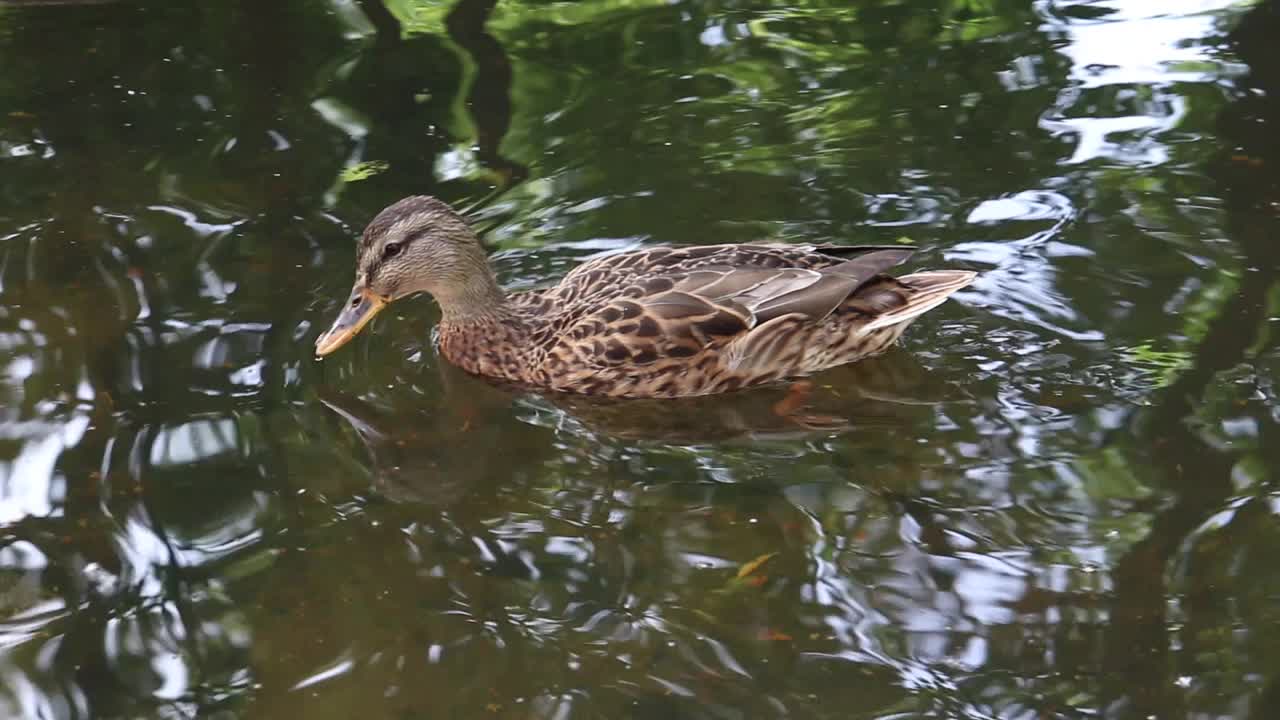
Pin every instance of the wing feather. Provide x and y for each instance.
(691, 299)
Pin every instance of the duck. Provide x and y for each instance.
(654, 322)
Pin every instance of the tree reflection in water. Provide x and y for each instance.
(1054, 502)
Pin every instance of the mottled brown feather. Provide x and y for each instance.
(678, 321)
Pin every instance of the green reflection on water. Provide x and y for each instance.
(1056, 500)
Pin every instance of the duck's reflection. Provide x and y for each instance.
(435, 453)
(436, 450)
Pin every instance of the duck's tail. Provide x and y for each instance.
(931, 288)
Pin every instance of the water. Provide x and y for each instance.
(1057, 500)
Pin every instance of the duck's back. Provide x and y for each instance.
(667, 322)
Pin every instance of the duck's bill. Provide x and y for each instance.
(359, 310)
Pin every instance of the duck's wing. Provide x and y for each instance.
(665, 260)
(598, 279)
(693, 305)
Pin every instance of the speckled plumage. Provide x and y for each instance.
(668, 321)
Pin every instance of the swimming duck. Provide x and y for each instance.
(658, 322)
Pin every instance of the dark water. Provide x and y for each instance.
(1057, 500)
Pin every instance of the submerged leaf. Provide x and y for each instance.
(754, 565)
(1163, 365)
(363, 171)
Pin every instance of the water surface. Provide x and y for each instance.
(1055, 500)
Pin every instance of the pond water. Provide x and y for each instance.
(1055, 500)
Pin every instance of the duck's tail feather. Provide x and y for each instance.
(931, 288)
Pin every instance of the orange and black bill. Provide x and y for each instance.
(360, 309)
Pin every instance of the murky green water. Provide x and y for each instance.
(1055, 501)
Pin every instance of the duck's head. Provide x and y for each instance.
(419, 244)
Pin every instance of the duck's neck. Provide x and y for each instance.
(481, 332)
(477, 300)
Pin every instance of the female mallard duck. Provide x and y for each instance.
(659, 322)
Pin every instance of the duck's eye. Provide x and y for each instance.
(391, 250)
